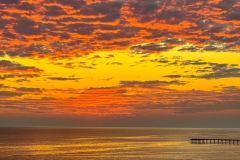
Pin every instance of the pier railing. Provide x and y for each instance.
(214, 141)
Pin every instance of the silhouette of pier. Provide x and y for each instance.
(214, 141)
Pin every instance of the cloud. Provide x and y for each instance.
(194, 62)
(115, 63)
(8, 66)
(64, 79)
(149, 84)
(76, 4)
(129, 98)
(74, 65)
(161, 60)
(204, 69)
(102, 8)
(3, 86)
(222, 72)
(234, 14)
(9, 94)
(9, 1)
(191, 48)
(89, 26)
(216, 70)
(3, 23)
(150, 48)
(26, 6)
(27, 26)
(30, 90)
(54, 11)
(6, 76)
(173, 76)
(22, 80)
(164, 45)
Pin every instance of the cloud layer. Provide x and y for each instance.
(60, 28)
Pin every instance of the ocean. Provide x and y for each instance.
(115, 143)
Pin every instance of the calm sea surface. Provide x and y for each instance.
(115, 143)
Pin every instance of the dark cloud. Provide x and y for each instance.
(22, 80)
(54, 11)
(110, 56)
(27, 26)
(173, 40)
(224, 39)
(231, 89)
(9, 66)
(207, 70)
(110, 17)
(108, 27)
(77, 64)
(64, 79)
(120, 34)
(86, 67)
(26, 89)
(226, 4)
(76, 4)
(65, 36)
(173, 76)
(202, 70)
(7, 34)
(194, 62)
(234, 14)
(39, 48)
(144, 7)
(17, 53)
(212, 48)
(149, 84)
(48, 98)
(149, 48)
(9, 94)
(161, 60)
(26, 6)
(81, 28)
(3, 86)
(148, 8)
(107, 79)
(163, 45)
(189, 48)
(156, 34)
(104, 8)
(217, 70)
(9, 1)
(122, 43)
(6, 76)
(3, 23)
(223, 73)
(171, 16)
(143, 26)
(115, 63)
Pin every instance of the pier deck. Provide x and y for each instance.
(214, 141)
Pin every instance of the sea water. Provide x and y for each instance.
(115, 143)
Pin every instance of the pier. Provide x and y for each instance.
(214, 141)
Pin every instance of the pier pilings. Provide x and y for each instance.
(214, 141)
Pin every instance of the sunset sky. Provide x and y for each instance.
(156, 63)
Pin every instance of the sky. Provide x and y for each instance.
(126, 63)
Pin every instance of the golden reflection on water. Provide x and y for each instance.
(159, 144)
(90, 147)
